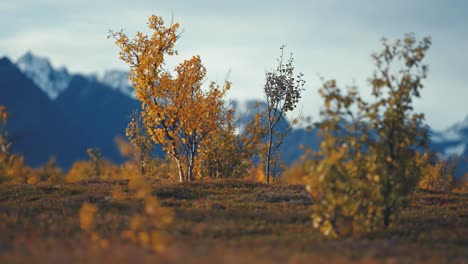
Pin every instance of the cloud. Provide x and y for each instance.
(6, 6)
(77, 50)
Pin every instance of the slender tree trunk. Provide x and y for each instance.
(268, 156)
(181, 170)
(190, 167)
(275, 166)
(142, 167)
(387, 211)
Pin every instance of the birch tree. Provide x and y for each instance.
(178, 114)
(282, 92)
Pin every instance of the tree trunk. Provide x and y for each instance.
(181, 170)
(386, 216)
(267, 170)
(142, 167)
(387, 212)
(190, 168)
(268, 156)
(191, 165)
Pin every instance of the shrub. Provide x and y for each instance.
(437, 173)
(50, 172)
(461, 184)
(86, 170)
(366, 167)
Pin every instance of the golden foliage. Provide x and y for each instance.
(50, 172)
(227, 155)
(461, 184)
(177, 113)
(86, 170)
(340, 175)
(256, 174)
(366, 167)
(297, 172)
(149, 167)
(437, 173)
(140, 148)
(14, 170)
(80, 171)
(87, 214)
(146, 228)
(33, 179)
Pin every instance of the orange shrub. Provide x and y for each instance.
(437, 173)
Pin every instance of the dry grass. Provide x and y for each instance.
(220, 221)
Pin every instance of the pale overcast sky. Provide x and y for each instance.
(328, 37)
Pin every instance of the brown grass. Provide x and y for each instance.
(220, 222)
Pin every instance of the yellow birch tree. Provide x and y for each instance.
(177, 112)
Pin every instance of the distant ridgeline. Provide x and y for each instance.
(55, 113)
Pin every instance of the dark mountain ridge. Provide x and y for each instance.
(85, 114)
(101, 113)
(36, 125)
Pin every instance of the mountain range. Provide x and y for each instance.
(56, 113)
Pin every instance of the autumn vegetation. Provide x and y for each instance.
(372, 191)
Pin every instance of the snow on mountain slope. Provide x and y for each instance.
(55, 81)
(40, 71)
(457, 150)
(118, 80)
(453, 140)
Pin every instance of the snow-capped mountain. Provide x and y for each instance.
(118, 80)
(55, 81)
(40, 71)
(453, 140)
(64, 123)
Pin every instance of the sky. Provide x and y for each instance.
(328, 38)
